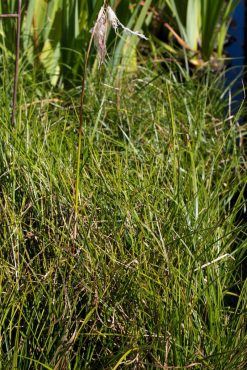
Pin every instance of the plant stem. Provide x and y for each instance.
(84, 77)
(10, 15)
(18, 33)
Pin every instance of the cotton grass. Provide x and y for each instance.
(108, 18)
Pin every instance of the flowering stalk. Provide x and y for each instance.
(106, 18)
(18, 33)
(84, 76)
(17, 52)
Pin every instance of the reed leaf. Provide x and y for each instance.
(203, 24)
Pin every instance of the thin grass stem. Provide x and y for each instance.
(84, 77)
(18, 34)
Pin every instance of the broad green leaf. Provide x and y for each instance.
(49, 58)
(193, 23)
(179, 11)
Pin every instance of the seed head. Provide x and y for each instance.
(99, 34)
(107, 17)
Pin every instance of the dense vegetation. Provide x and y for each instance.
(161, 188)
(151, 274)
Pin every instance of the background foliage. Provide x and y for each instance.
(55, 33)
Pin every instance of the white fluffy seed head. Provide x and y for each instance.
(113, 19)
(99, 34)
(108, 16)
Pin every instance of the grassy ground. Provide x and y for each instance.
(153, 279)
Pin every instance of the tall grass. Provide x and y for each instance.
(153, 279)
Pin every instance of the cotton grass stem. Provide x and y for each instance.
(81, 119)
(106, 17)
(17, 52)
(18, 34)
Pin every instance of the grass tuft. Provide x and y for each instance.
(154, 279)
